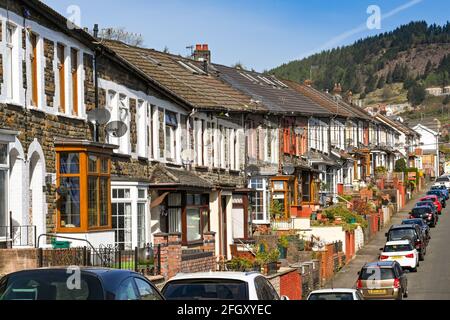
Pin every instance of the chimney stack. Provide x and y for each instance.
(202, 53)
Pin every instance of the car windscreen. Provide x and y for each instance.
(51, 285)
(206, 289)
(398, 248)
(340, 296)
(373, 273)
(401, 234)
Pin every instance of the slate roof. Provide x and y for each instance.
(202, 91)
(269, 91)
(165, 176)
(337, 107)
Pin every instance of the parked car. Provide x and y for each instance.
(435, 200)
(430, 203)
(95, 284)
(411, 233)
(426, 213)
(443, 181)
(443, 189)
(403, 252)
(422, 224)
(335, 294)
(382, 280)
(220, 286)
(440, 195)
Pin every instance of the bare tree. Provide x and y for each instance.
(120, 34)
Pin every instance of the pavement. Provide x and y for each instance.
(431, 282)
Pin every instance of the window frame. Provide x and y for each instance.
(61, 60)
(99, 175)
(74, 72)
(34, 43)
(4, 168)
(83, 175)
(126, 201)
(10, 61)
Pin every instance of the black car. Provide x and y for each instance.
(77, 284)
(413, 233)
(422, 224)
(426, 213)
(439, 194)
(430, 203)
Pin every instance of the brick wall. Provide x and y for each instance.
(291, 285)
(171, 255)
(12, 260)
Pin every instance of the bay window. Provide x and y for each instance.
(83, 182)
(174, 212)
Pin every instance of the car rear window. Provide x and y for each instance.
(331, 296)
(52, 285)
(443, 179)
(420, 211)
(424, 204)
(374, 273)
(205, 289)
(419, 222)
(401, 234)
(398, 248)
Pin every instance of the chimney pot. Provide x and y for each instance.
(205, 47)
(198, 47)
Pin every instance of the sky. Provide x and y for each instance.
(260, 34)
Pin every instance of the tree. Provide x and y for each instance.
(416, 94)
(428, 69)
(120, 34)
(400, 165)
(446, 100)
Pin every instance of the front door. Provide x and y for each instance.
(223, 236)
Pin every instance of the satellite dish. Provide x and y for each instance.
(187, 156)
(288, 170)
(116, 129)
(299, 131)
(101, 116)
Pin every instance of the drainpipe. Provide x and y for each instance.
(96, 55)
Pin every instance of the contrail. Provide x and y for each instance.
(338, 39)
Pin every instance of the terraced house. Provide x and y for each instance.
(205, 153)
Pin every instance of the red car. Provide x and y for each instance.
(436, 202)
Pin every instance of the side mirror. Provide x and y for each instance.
(285, 298)
(381, 249)
(358, 273)
(386, 234)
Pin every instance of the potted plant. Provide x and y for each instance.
(272, 261)
(276, 209)
(283, 243)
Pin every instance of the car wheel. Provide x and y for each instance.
(406, 294)
(414, 269)
(421, 257)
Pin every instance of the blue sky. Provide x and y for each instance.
(260, 34)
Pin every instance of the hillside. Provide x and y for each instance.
(414, 52)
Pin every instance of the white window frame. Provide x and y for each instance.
(266, 197)
(11, 63)
(4, 168)
(125, 116)
(125, 201)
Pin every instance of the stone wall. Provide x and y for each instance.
(12, 260)
(89, 88)
(49, 73)
(199, 265)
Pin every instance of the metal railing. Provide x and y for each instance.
(18, 236)
(146, 260)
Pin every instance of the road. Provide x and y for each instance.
(431, 282)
